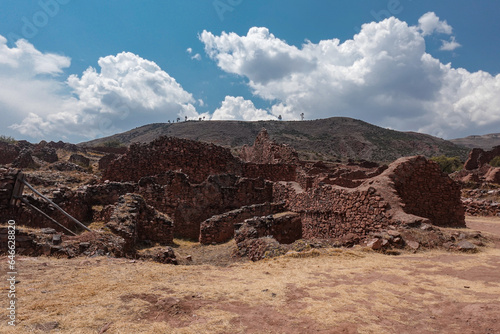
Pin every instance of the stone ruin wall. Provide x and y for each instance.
(427, 192)
(135, 221)
(330, 212)
(191, 204)
(266, 151)
(220, 228)
(479, 157)
(284, 227)
(195, 159)
(411, 190)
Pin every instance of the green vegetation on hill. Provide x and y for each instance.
(7, 139)
(448, 164)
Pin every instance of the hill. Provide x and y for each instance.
(486, 142)
(323, 139)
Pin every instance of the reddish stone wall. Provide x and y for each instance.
(7, 180)
(190, 204)
(276, 172)
(333, 212)
(479, 157)
(136, 221)
(8, 153)
(412, 190)
(427, 192)
(196, 159)
(284, 228)
(220, 228)
(106, 160)
(266, 151)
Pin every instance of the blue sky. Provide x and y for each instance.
(433, 67)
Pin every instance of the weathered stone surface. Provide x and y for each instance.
(106, 160)
(413, 244)
(160, 254)
(375, 244)
(136, 221)
(195, 159)
(266, 151)
(221, 228)
(479, 157)
(190, 204)
(45, 153)
(67, 166)
(466, 246)
(8, 153)
(283, 227)
(25, 160)
(80, 160)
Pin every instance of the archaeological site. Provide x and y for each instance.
(136, 202)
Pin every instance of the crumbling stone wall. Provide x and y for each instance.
(220, 228)
(266, 151)
(195, 159)
(190, 204)
(79, 160)
(479, 157)
(8, 153)
(106, 160)
(330, 212)
(284, 227)
(275, 172)
(7, 180)
(411, 191)
(136, 221)
(427, 192)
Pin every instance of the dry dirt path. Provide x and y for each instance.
(340, 291)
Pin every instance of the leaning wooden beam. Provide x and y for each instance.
(56, 206)
(25, 201)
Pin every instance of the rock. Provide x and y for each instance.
(83, 246)
(426, 227)
(413, 245)
(189, 258)
(48, 230)
(466, 246)
(393, 233)
(56, 239)
(79, 160)
(47, 327)
(375, 244)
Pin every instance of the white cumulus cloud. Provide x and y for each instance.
(450, 45)
(382, 75)
(430, 23)
(241, 109)
(126, 91)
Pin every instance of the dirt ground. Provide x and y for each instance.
(335, 291)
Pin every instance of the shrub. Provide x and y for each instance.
(448, 164)
(7, 139)
(495, 162)
(112, 143)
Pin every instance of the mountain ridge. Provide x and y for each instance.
(324, 139)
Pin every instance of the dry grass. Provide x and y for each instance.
(331, 291)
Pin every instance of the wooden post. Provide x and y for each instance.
(17, 192)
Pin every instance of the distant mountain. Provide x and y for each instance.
(323, 139)
(486, 142)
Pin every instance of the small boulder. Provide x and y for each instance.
(466, 246)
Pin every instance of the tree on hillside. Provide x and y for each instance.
(302, 116)
(280, 118)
